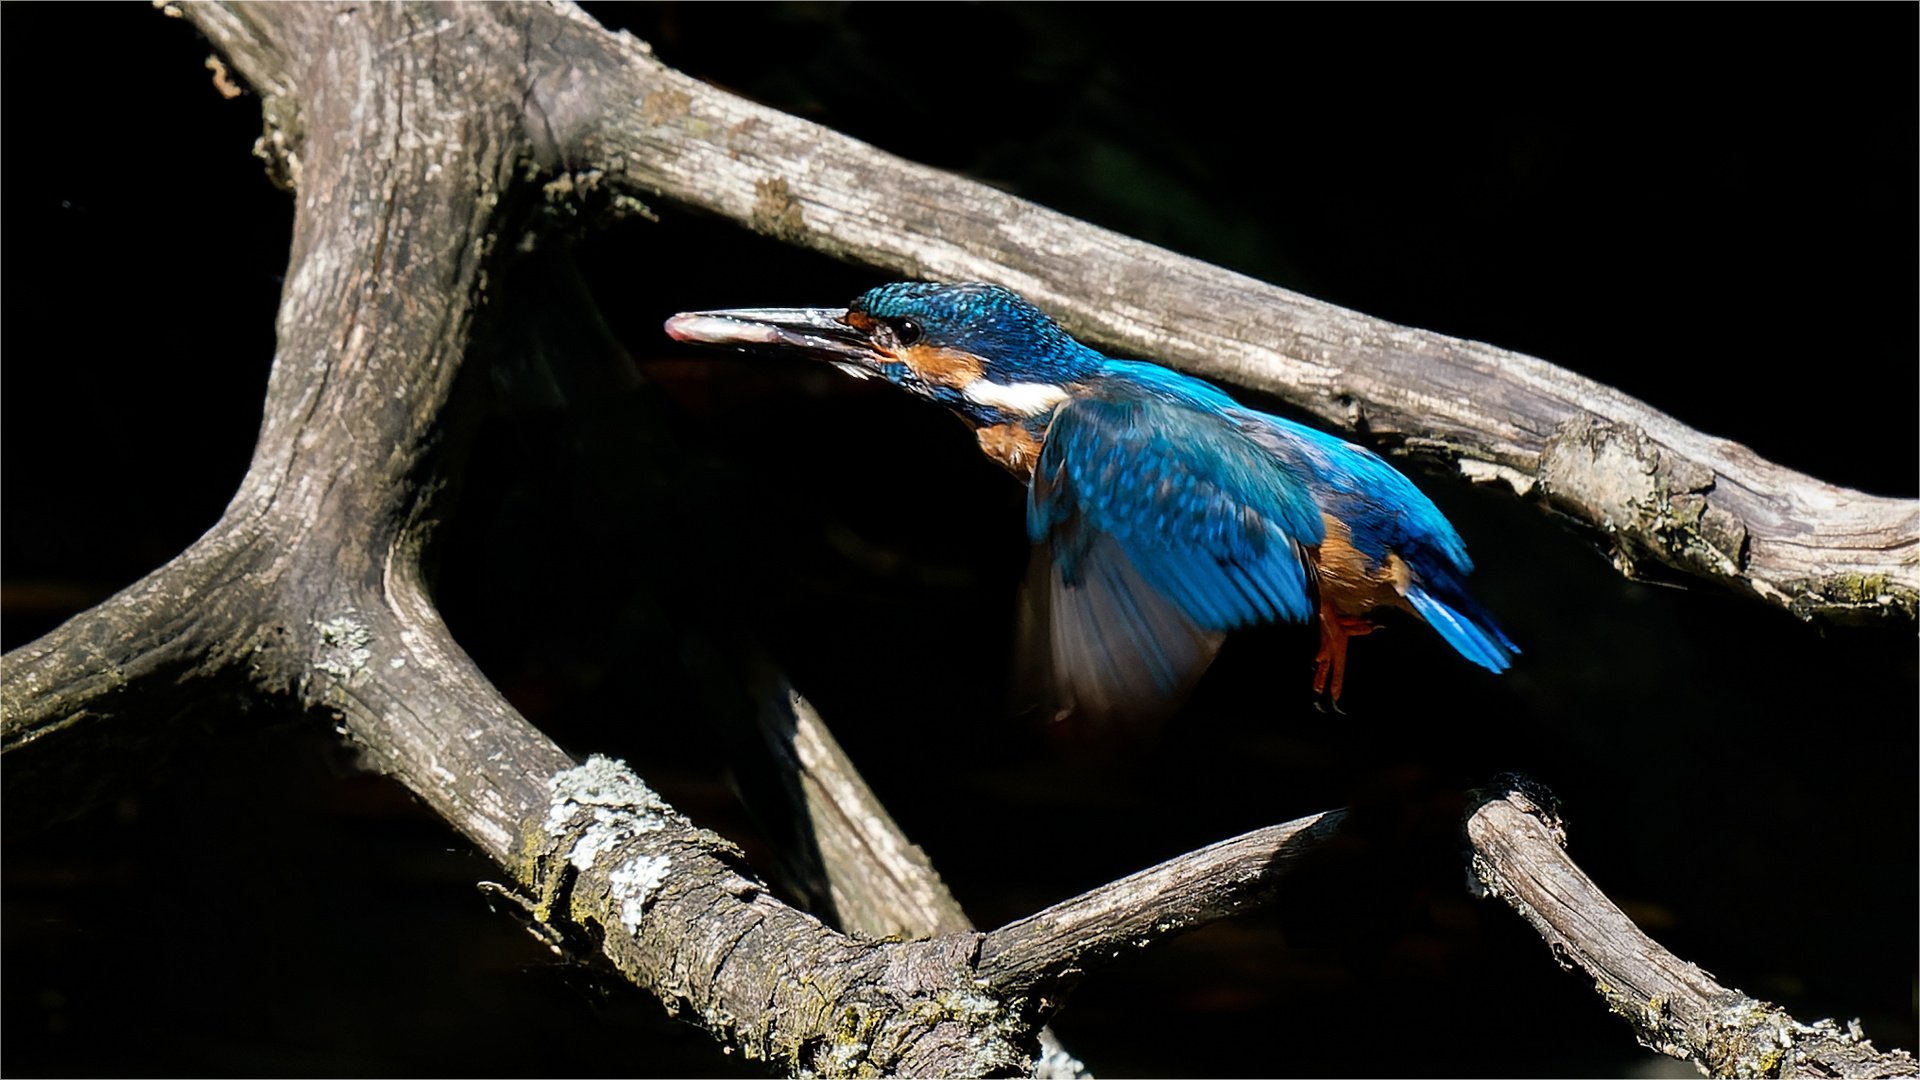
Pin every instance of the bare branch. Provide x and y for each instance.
(680, 918)
(1658, 490)
(406, 132)
(1673, 1006)
(881, 884)
(1152, 905)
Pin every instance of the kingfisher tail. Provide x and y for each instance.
(1465, 625)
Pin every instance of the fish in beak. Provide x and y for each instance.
(822, 333)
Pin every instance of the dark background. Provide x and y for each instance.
(1716, 215)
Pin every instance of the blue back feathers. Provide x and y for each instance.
(1382, 507)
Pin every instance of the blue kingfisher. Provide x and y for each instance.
(1164, 513)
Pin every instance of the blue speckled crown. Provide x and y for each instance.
(1017, 340)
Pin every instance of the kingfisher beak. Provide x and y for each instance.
(821, 333)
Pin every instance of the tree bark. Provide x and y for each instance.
(1673, 1006)
(1660, 492)
(309, 587)
(415, 138)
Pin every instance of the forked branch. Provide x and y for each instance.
(407, 132)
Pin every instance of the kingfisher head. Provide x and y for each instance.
(979, 349)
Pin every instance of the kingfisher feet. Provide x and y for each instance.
(1330, 664)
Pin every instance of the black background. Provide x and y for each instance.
(1712, 210)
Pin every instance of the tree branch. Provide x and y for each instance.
(405, 131)
(1673, 1006)
(1659, 491)
(1195, 889)
(879, 883)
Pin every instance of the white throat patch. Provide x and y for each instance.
(1021, 399)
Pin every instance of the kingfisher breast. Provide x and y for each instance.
(1015, 445)
(1353, 582)
(1009, 419)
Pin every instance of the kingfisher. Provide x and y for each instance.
(1163, 512)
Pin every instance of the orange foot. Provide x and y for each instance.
(1330, 666)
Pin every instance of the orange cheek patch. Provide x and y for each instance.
(955, 368)
(859, 320)
(1012, 445)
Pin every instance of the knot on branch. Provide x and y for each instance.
(776, 211)
(1655, 504)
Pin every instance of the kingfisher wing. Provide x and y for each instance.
(1165, 526)
(1107, 658)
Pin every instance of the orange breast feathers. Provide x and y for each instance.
(1015, 446)
(1352, 584)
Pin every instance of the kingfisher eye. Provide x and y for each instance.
(907, 331)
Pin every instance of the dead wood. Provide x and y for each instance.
(309, 588)
(1673, 1006)
(420, 142)
(1659, 491)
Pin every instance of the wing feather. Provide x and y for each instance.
(1164, 527)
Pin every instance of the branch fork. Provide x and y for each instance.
(405, 131)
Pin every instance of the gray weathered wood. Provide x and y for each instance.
(309, 590)
(406, 132)
(1656, 488)
(1673, 1006)
(1153, 904)
(881, 884)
